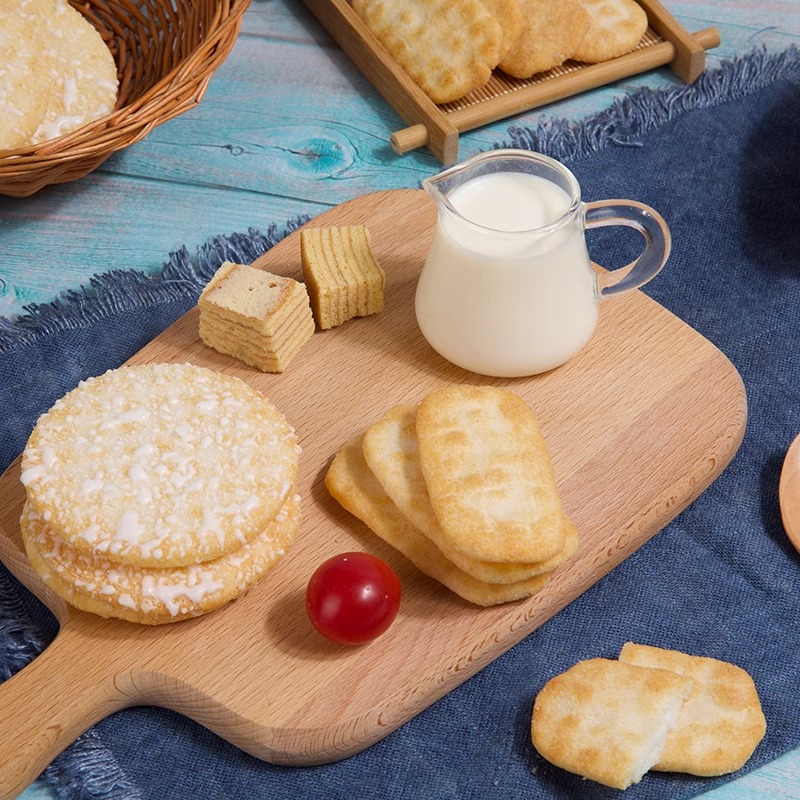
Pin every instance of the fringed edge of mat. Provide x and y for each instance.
(634, 115)
(181, 276)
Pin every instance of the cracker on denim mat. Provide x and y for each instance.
(353, 485)
(607, 720)
(447, 47)
(615, 27)
(489, 476)
(391, 452)
(550, 35)
(721, 722)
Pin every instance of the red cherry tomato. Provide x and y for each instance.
(353, 598)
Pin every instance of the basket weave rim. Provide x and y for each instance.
(101, 135)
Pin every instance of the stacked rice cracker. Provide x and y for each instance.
(158, 492)
(462, 485)
(450, 47)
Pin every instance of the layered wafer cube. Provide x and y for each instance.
(257, 317)
(343, 277)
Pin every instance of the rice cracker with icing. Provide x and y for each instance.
(615, 27)
(151, 595)
(489, 476)
(447, 47)
(160, 465)
(56, 72)
(351, 482)
(719, 725)
(392, 453)
(550, 35)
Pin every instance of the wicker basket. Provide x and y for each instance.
(166, 52)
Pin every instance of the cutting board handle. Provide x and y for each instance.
(48, 704)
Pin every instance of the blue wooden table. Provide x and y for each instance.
(290, 128)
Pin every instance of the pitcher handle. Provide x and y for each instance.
(657, 241)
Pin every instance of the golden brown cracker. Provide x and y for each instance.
(447, 47)
(508, 15)
(721, 722)
(350, 481)
(392, 454)
(550, 35)
(615, 27)
(489, 476)
(607, 720)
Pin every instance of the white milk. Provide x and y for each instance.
(498, 297)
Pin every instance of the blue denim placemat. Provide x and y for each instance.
(721, 161)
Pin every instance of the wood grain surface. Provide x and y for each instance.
(289, 126)
(638, 424)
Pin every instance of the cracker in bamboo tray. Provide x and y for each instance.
(462, 485)
(450, 47)
(158, 492)
(447, 47)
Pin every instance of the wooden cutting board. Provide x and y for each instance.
(638, 425)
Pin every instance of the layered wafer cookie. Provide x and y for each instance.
(254, 316)
(392, 454)
(160, 465)
(351, 482)
(152, 595)
(489, 476)
(343, 277)
(721, 722)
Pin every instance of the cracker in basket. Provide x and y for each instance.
(56, 73)
(392, 454)
(351, 482)
(607, 720)
(447, 47)
(508, 15)
(343, 277)
(550, 35)
(615, 28)
(720, 724)
(489, 476)
(259, 318)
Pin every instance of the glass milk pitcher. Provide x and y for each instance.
(507, 288)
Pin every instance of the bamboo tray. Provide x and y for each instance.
(665, 42)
